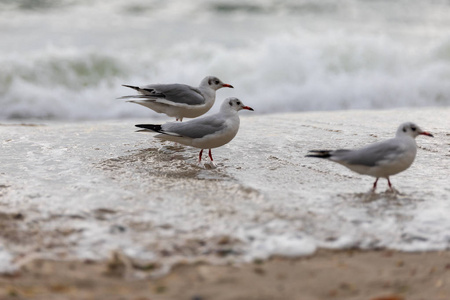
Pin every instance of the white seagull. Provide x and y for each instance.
(206, 132)
(382, 159)
(178, 100)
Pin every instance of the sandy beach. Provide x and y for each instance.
(93, 210)
(371, 275)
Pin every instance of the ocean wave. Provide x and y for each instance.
(279, 74)
(315, 67)
(58, 84)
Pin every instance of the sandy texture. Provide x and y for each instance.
(343, 275)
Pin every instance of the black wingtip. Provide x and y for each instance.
(152, 127)
(131, 87)
(319, 153)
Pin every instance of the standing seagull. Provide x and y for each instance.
(206, 132)
(178, 100)
(381, 159)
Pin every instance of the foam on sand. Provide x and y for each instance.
(85, 190)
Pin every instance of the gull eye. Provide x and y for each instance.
(217, 82)
(238, 103)
(413, 128)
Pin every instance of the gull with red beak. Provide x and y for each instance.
(178, 100)
(206, 132)
(382, 159)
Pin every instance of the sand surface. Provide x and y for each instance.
(343, 275)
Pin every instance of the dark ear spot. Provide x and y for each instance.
(231, 103)
(209, 81)
(404, 129)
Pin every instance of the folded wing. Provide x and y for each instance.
(170, 94)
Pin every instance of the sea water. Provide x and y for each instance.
(86, 189)
(67, 59)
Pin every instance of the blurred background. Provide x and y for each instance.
(67, 59)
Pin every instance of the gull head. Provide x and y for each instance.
(214, 83)
(234, 104)
(411, 129)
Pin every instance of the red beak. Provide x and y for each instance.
(426, 133)
(227, 85)
(247, 107)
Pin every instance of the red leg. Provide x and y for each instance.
(389, 183)
(200, 156)
(375, 184)
(210, 155)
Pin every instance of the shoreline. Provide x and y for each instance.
(343, 274)
(77, 192)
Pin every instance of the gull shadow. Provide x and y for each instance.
(171, 161)
(381, 204)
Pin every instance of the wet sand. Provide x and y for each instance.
(255, 227)
(349, 275)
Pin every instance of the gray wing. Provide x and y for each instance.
(174, 93)
(196, 128)
(372, 155)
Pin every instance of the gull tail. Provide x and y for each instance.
(150, 127)
(319, 153)
(145, 91)
(155, 128)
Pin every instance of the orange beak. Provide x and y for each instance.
(247, 107)
(227, 85)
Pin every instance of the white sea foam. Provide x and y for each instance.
(6, 260)
(294, 56)
(93, 188)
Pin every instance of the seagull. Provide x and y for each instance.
(178, 100)
(382, 159)
(206, 132)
